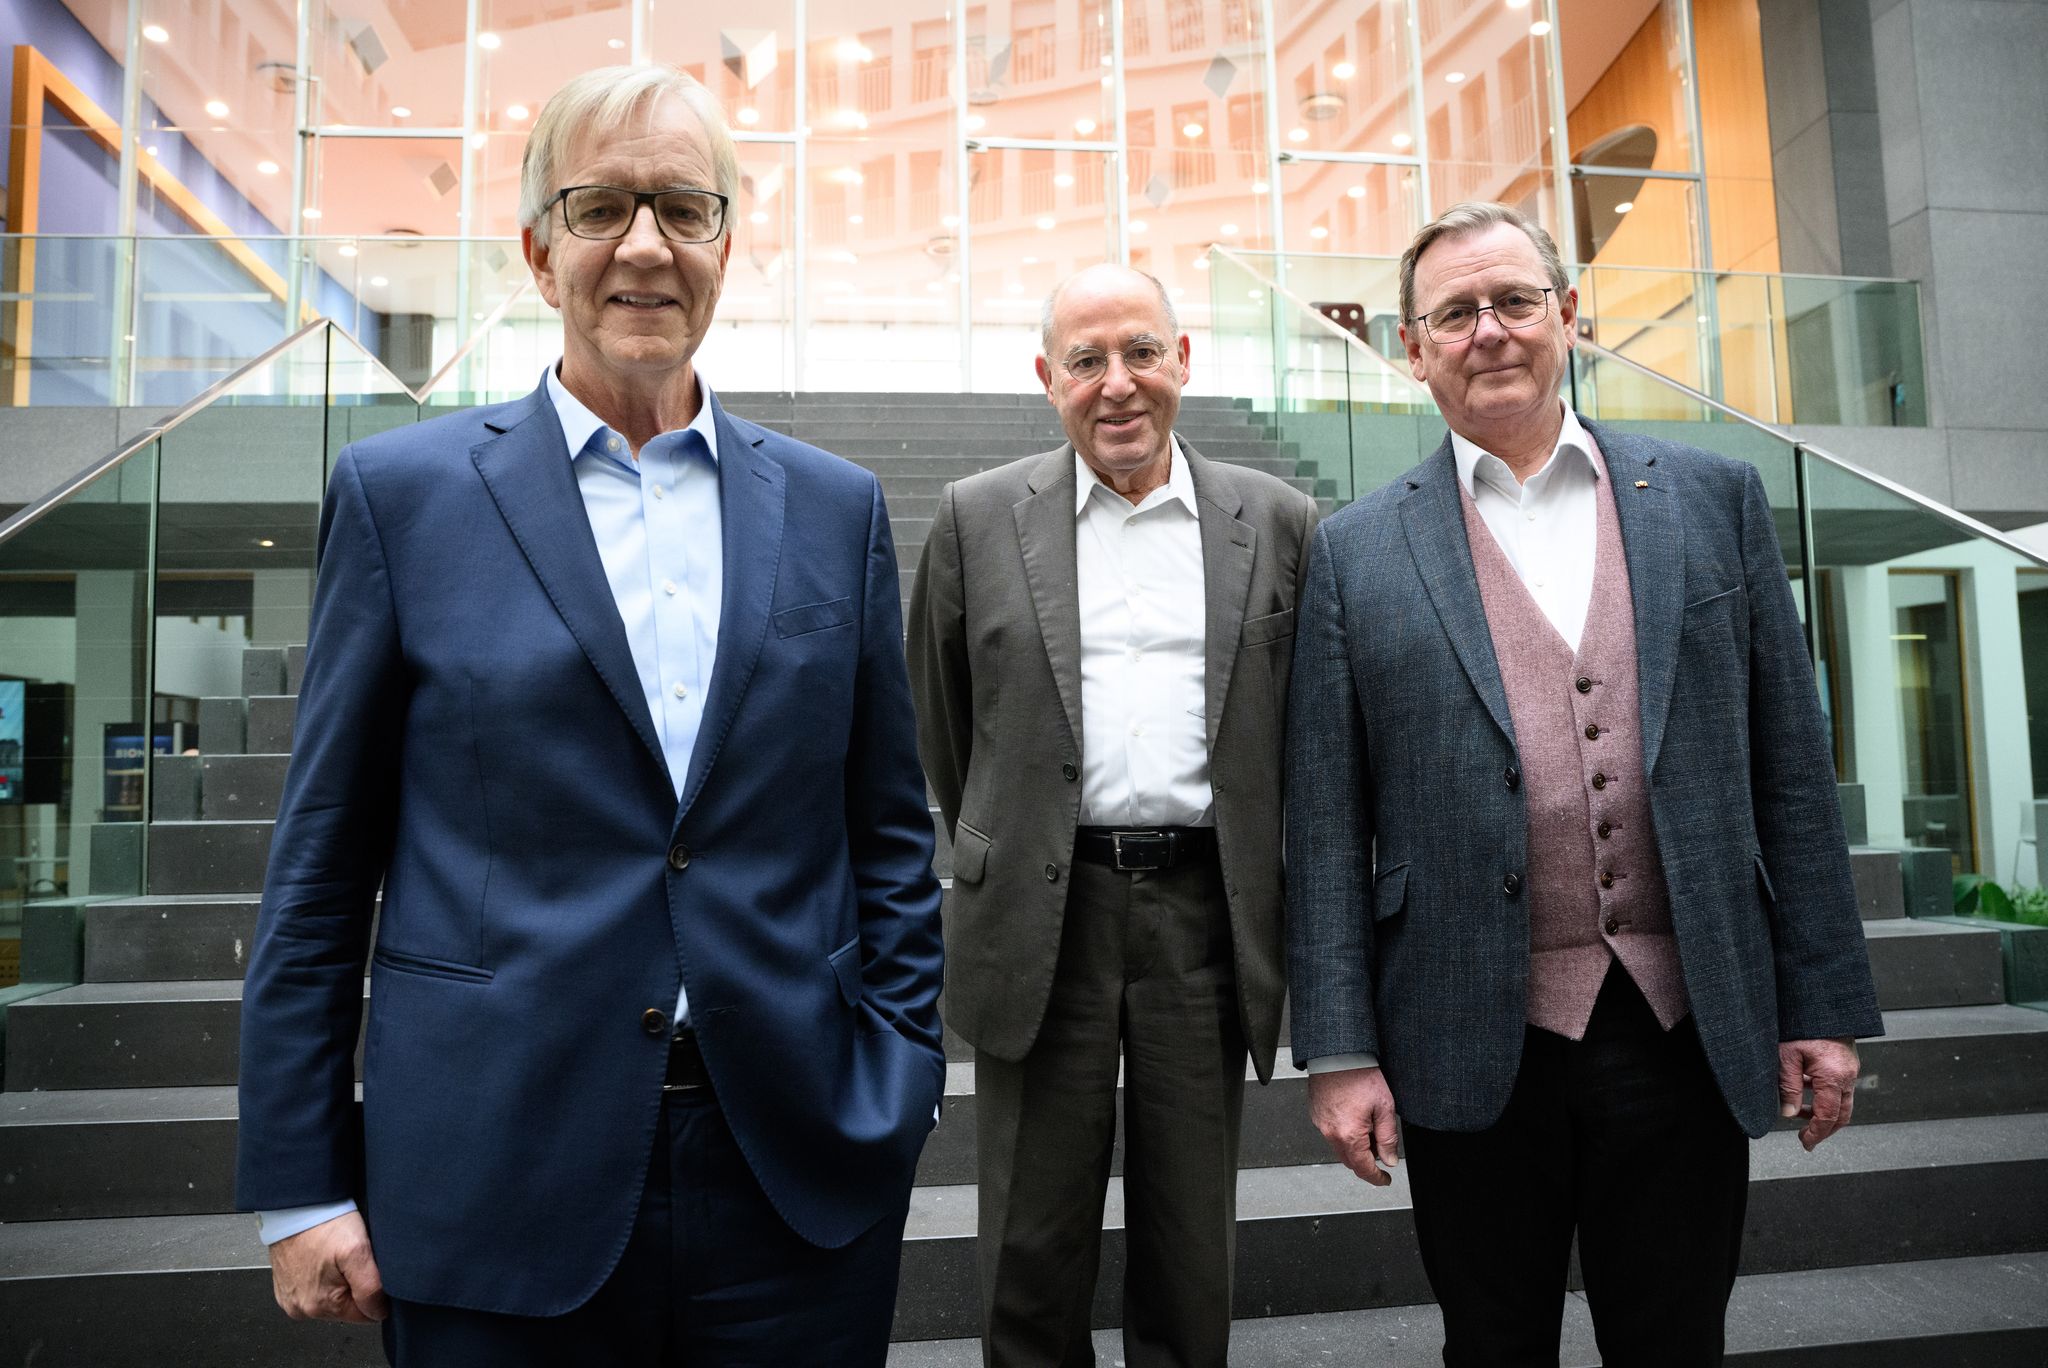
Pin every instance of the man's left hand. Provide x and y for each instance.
(1828, 1067)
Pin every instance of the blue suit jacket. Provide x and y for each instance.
(1403, 939)
(472, 735)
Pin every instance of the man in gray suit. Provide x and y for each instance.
(1099, 646)
(1566, 873)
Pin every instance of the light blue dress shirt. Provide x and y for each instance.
(660, 534)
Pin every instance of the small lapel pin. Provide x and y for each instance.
(1642, 484)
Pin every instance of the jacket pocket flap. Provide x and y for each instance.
(1389, 891)
(845, 963)
(1272, 627)
(399, 962)
(970, 854)
(813, 617)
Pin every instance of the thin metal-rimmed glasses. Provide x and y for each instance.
(1520, 307)
(1140, 358)
(603, 212)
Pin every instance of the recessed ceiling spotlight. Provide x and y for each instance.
(479, 141)
(1201, 263)
(1319, 232)
(401, 111)
(348, 249)
(1518, 4)
(1453, 77)
(1260, 187)
(1624, 206)
(758, 216)
(1140, 226)
(853, 50)
(1084, 126)
(1063, 180)
(975, 123)
(856, 219)
(748, 115)
(518, 112)
(1045, 224)
(1356, 192)
(156, 33)
(266, 168)
(1297, 134)
(1540, 27)
(1228, 230)
(615, 44)
(1402, 141)
(149, 151)
(1191, 129)
(379, 281)
(217, 108)
(489, 42)
(1344, 71)
(310, 214)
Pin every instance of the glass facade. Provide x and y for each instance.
(915, 174)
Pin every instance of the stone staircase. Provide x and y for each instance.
(1919, 1235)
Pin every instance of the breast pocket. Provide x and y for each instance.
(1261, 631)
(813, 617)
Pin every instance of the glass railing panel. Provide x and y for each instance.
(203, 307)
(75, 739)
(507, 357)
(58, 343)
(1240, 331)
(1853, 351)
(1931, 643)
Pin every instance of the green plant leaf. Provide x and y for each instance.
(1993, 902)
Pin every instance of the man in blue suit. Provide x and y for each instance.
(605, 688)
(1566, 878)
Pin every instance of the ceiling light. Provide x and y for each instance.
(847, 175)
(1201, 263)
(1402, 141)
(748, 115)
(950, 221)
(1140, 226)
(975, 123)
(852, 50)
(1255, 294)
(1356, 192)
(519, 112)
(758, 216)
(1260, 187)
(266, 168)
(615, 44)
(1063, 180)
(265, 541)
(1192, 129)
(379, 281)
(1013, 288)
(1045, 224)
(310, 214)
(1319, 232)
(849, 118)
(149, 151)
(1228, 230)
(348, 249)
(1540, 27)
(156, 33)
(479, 141)
(1454, 76)
(933, 286)
(401, 112)
(1084, 126)
(1624, 206)
(1030, 261)
(1106, 79)
(1344, 71)
(856, 219)
(489, 42)
(1518, 4)
(217, 108)
(1297, 135)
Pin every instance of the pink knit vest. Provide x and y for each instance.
(1596, 885)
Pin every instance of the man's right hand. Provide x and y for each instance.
(327, 1273)
(1354, 1109)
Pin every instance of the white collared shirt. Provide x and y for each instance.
(1144, 667)
(1547, 525)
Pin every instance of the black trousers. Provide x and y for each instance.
(710, 1277)
(1623, 1137)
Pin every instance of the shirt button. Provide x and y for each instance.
(659, 492)
(668, 586)
(1511, 884)
(1069, 773)
(1583, 684)
(1613, 926)
(612, 444)
(1137, 729)
(1137, 654)
(1052, 873)
(679, 858)
(1592, 732)
(1607, 878)
(654, 1021)
(1605, 831)
(1599, 781)
(682, 690)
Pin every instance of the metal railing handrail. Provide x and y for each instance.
(395, 239)
(34, 511)
(1377, 361)
(1577, 266)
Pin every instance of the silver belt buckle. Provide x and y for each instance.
(1116, 850)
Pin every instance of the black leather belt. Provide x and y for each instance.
(686, 1071)
(1142, 848)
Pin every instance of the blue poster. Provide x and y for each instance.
(13, 698)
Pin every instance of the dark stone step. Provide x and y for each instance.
(1934, 964)
(1000, 451)
(269, 725)
(208, 857)
(241, 787)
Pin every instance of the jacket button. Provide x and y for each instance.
(1605, 831)
(1052, 873)
(654, 1021)
(1069, 773)
(1513, 777)
(1592, 731)
(1599, 781)
(1613, 926)
(1583, 684)
(1607, 878)
(679, 858)
(1511, 884)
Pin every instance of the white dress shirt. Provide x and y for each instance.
(1547, 527)
(659, 532)
(1144, 667)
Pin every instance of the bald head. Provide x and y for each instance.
(1107, 275)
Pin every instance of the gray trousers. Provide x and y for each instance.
(1145, 981)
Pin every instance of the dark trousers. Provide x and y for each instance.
(1145, 980)
(710, 1276)
(1622, 1136)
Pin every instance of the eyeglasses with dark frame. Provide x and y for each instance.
(1520, 307)
(1088, 365)
(604, 212)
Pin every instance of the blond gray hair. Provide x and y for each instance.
(1474, 216)
(604, 99)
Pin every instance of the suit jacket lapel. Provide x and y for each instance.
(750, 489)
(1434, 519)
(1228, 546)
(527, 470)
(1653, 542)
(1045, 532)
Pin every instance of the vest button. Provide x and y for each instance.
(1599, 781)
(1511, 884)
(1069, 773)
(1052, 873)
(654, 1021)
(1607, 878)
(1605, 831)
(679, 858)
(1513, 777)
(1592, 731)
(1613, 926)
(1583, 684)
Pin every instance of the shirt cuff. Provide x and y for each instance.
(1334, 1063)
(282, 1225)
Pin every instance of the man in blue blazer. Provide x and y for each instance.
(1567, 881)
(605, 688)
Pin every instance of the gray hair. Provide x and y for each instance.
(1053, 299)
(1475, 216)
(605, 98)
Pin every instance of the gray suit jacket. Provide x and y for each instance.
(1405, 937)
(995, 665)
